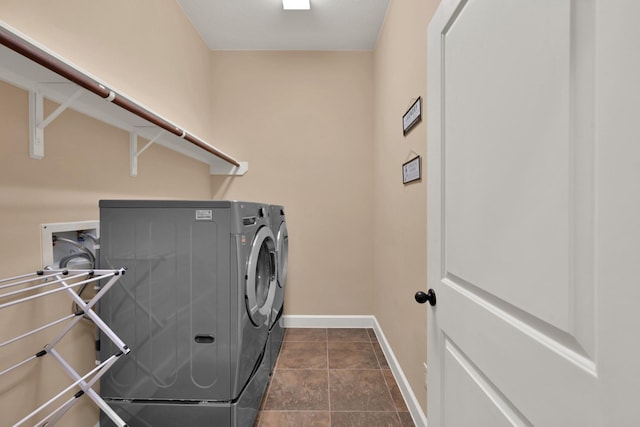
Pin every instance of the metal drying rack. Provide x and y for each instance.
(48, 282)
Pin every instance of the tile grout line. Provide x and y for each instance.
(374, 353)
(384, 377)
(326, 331)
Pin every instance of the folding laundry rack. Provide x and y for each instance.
(47, 282)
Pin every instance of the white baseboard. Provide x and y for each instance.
(295, 321)
(419, 419)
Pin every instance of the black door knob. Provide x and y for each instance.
(430, 296)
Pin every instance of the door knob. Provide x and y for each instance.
(430, 296)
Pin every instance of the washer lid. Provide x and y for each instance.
(261, 277)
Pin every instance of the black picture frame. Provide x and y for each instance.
(412, 170)
(412, 117)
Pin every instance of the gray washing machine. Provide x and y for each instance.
(195, 308)
(276, 326)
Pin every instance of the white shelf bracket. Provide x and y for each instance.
(220, 168)
(37, 122)
(133, 150)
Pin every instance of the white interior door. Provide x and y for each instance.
(533, 213)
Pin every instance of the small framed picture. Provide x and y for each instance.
(411, 170)
(412, 116)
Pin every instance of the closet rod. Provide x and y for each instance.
(34, 53)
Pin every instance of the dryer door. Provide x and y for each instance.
(283, 253)
(261, 277)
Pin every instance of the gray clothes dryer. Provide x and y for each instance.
(194, 307)
(276, 326)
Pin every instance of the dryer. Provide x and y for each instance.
(276, 326)
(195, 308)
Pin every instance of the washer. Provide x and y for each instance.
(194, 306)
(276, 326)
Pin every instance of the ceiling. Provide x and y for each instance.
(264, 25)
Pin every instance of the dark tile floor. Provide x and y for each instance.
(332, 378)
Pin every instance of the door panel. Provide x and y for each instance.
(517, 359)
(468, 387)
(518, 183)
(498, 165)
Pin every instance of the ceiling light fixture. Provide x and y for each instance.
(296, 4)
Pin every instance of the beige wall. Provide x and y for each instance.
(146, 49)
(400, 210)
(303, 120)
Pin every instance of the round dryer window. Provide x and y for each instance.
(261, 277)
